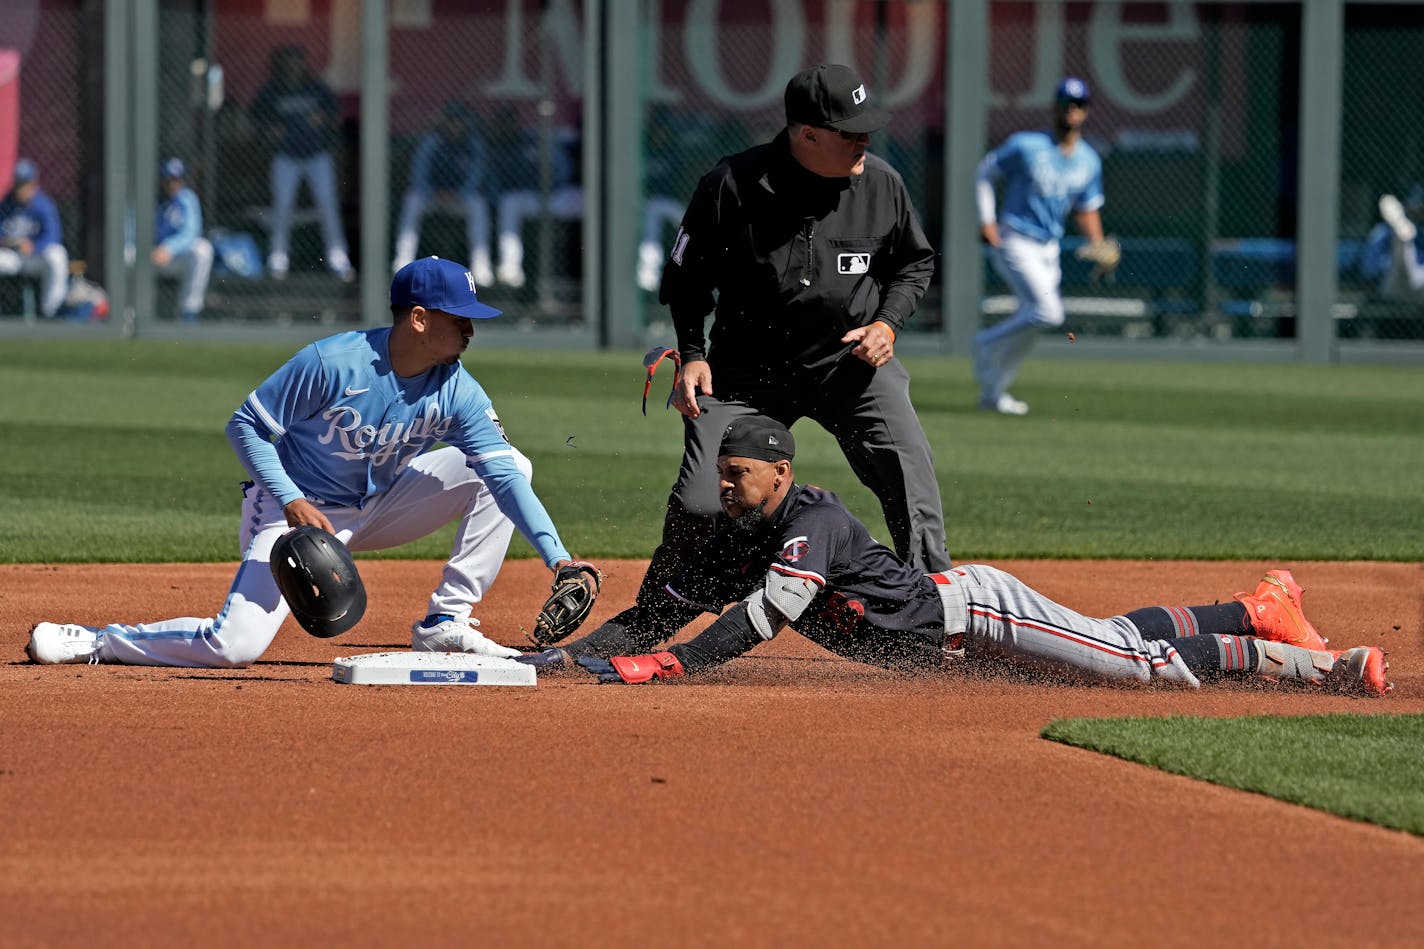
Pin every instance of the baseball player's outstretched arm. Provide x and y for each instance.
(730, 636)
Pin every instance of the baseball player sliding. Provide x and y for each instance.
(1045, 175)
(341, 439)
(792, 555)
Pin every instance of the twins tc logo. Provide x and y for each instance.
(795, 549)
(853, 263)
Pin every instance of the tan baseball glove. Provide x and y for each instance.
(1104, 255)
(575, 589)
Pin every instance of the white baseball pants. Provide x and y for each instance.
(193, 267)
(1032, 269)
(477, 230)
(1405, 278)
(434, 489)
(1003, 619)
(51, 265)
(565, 204)
(320, 173)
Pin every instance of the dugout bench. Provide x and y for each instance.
(1154, 292)
(1253, 283)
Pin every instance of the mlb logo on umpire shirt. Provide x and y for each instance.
(853, 263)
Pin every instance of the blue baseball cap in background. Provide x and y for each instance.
(1073, 89)
(26, 171)
(439, 284)
(173, 168)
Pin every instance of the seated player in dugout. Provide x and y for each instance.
(789, 554)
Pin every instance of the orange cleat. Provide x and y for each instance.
(1361, 669)
(1276, 613)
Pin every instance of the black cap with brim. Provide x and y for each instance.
(871, 120)
(756, 436)
(833, 96)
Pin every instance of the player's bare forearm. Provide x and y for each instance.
(1090, 225)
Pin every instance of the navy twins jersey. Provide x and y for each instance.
(870, 606)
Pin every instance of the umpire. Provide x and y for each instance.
(809, 254)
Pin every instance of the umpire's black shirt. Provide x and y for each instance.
(790, 261)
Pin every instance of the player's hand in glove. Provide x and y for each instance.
(576, 586)
(1104, 255)
(552, 659)
(634, 670)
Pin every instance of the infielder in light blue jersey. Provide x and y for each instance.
(339, 438)
(1045, 176)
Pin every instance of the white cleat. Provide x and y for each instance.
(55, 643)
(457, 635)
(650, 267)
(1393, 213)
(510, 276)
(1006, 405)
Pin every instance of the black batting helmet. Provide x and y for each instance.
(318, 579)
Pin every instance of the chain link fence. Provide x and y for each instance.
(1195, 112)
(47, 118)
(1381, 153)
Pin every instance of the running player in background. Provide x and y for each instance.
(343, 438)
(792, 555)
(1045, 175)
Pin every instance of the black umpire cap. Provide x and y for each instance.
(756, 436)
(833, 96)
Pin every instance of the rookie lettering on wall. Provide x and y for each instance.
(356, 440)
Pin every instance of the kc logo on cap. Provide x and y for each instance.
(438, 284)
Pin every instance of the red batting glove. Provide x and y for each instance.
(639, 669)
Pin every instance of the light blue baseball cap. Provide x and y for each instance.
(26, 171)
(173, 168)
(439, 284)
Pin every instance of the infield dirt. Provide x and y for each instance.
(790, 799)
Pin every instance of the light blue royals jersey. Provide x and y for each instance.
(336, 424)
(1042, 185)
(178, 222)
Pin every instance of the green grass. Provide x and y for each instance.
(1364, 767)
(115, 452)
